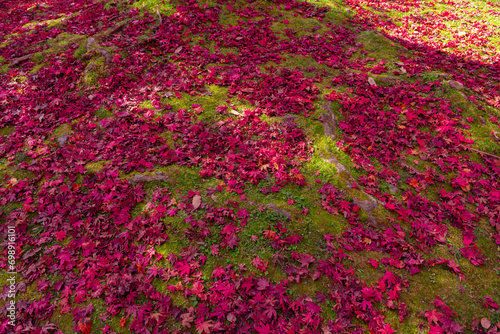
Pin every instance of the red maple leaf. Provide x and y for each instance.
(433, 316)
(263, 329)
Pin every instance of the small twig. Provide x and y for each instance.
(478, 151)
(159, 17)
(20, 60)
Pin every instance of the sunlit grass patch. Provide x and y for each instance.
(165, 7)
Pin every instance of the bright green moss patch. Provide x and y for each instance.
(165, 7)
(49, 23)
(214, 96)
(96, 166)
(379, 47)
(103, 113)
(61, 129)
(94, 71)
(36, 68)
(14, 171)
(81, 50)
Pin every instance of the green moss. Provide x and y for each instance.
(103, 112)
(465, 298)
(9, 207)
(100, 307)
(309, 287)
(216, 96)
(230, 19)
(48, 23)
(148, 104)
(38, 57)
(379, 47)
(65, 322)
(300, 25)
(61, 129)
(480, 127)
(434, 76)
(14, 171)
(6, 130)
(275, 273)
(165, 7)
(94, 71)
(36, 68)
(81, 50)
(96, 166)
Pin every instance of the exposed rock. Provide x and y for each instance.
(393, 189)
(61, 141)
(329, 126)
(372, 82)
(439, 74)
(93, 47)
(340, 168)
(285, 213)
(389, 80)
(372, 221)
(20, 60)
(159, 176)
(368, 205)
(455, 84)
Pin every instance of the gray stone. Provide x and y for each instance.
(159, 176)
(340, 168)
(455, 84)
(285, 213)
(61, 141)
(368, 205)
(329, 125)
(393, 189)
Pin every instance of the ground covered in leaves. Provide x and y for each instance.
(202, 166)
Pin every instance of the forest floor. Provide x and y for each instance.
(278, 166)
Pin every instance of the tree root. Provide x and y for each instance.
(93, 47)
(20, 60)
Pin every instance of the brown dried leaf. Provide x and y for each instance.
(485, 323)
(196, 201)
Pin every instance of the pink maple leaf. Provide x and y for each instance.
(263, 329)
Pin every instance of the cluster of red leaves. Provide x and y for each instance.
(388, 134)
